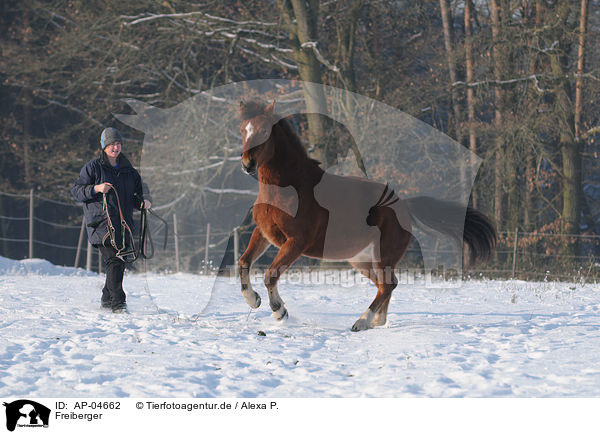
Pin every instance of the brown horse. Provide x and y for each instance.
(305, 211)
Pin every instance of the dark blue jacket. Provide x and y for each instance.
(128, 183)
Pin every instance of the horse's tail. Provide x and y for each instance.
(450, 218)
(387, 199)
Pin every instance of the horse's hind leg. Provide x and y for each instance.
(256, 247)
(366, 269)
(380, 315)
(376, 314)
(392, 245)
(289, 252)
(392, 250)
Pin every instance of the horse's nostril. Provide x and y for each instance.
(250, 167)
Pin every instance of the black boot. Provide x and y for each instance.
(121, 308)
(115, 268)
(106, 300)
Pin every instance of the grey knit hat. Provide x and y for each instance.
(109, 136)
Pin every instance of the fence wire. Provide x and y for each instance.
(51, 231)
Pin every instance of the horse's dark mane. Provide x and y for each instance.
(289, 131)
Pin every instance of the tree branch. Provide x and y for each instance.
(286, 12)
(75, 109)
(273, 59)
(191, 14)
(319, 56)
(533, 77)
(590, 132)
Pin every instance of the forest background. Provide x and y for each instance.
(516, 82)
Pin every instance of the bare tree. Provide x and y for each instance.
(469, 79)
(447, 22)
(583, 19)
(495, 14)
(569, 147)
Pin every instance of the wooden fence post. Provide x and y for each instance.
(514, 268)
(88, 257)
(176, 242)
(236, 248)
(79, 243)
(206, 248)
(31, 223)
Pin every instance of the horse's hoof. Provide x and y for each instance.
(379, 321)
(360, 325)
(253, 304)
(280, 316)
(256, 301)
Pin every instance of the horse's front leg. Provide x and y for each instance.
(289, 252)
(256, 247)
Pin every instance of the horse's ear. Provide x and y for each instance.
(242, 104)
(269, 109)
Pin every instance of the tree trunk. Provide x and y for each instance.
(569, 146)
(583, 19)
(27, 102)
(346, 37)
(450, 58)
(495, 13)
(309, 68)
(580, 67)
(470, 90)
(529, 204)
(448, 26)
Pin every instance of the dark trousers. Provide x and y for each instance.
(112, 293)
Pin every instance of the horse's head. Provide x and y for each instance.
(257, 122)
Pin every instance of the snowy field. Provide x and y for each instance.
(484, 339)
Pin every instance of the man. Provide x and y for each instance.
(109, 175)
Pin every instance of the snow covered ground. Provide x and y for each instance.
(484, 339)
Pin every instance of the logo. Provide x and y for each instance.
(26, 413)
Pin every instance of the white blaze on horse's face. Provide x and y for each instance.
(249, 131)
(255, 133)
(256, 148)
